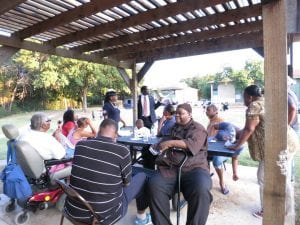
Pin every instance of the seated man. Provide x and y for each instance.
(140, 130)
(195, 178)
(101, 173)
(45, 144)
(226, 132)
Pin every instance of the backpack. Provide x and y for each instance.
(15, 184)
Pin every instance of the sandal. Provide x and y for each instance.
(225, 190)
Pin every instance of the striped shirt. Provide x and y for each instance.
(100, 170)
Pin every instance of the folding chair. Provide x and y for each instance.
(75, 196)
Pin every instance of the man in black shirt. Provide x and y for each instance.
(101, 173)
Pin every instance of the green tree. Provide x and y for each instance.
(252, 73)
(14, 84)
(254, 70)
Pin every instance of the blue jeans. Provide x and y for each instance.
(134, 190)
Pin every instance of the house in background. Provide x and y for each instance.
(225, 91)
(176, 94)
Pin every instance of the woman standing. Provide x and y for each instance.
(110, 108)
(254, 133)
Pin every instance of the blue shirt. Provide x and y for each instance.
(167, 126)
(112, 112)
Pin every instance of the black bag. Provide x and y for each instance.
(172, 157)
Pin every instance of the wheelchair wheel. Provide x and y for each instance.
(10, 206)
(22, 218)
(60, 202)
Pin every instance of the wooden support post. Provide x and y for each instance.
(275, 49)
(6, 53)
(134, 92)
(144, 70)
(124, 75)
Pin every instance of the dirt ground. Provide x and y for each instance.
(232, 209)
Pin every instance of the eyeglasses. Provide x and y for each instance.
(48, 121)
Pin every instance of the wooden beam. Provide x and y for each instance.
(7, 5)
(134, 86)
(291, 20)
(188, 38)
(275, 66)
(172, 9)
(6, 53)
(296, 37)
(259, 51)
(202, 47)
(77, 13)
(227, 16)
(144, 70)
(125, 76)
(32, 46)
(298, 16)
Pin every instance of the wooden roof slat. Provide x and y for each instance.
(31, 18)
(7, 5)
(190, 38)
(217, 45)
(41, 6)
(37, 10)
(32, 46)
(69, 16)
(145, 17)
(175, 28)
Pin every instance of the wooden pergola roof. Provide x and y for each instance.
(119, 32)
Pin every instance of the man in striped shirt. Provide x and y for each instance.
(101, 173)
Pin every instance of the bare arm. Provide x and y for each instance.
(292, 113)
(123, 121)
(246, 132)
(160, 124)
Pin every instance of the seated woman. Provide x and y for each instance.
(166, 122)
(68, 122)
(79, 133)
(226, 132)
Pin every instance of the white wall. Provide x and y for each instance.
(226, 93)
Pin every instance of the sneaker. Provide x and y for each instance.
(145, 221)
(258, 214)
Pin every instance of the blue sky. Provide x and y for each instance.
(168, 72)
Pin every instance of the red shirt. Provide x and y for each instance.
(67, 127)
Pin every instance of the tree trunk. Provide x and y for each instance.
(12, 99)
(84, 99)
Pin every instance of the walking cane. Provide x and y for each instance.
(179, 177)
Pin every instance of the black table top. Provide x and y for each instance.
(214, 148)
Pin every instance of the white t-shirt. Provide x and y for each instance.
(45, 144)
(142, 132)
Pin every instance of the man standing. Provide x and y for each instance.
(195, 178)
(45, 144)
(101, 173)
(146, 107)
